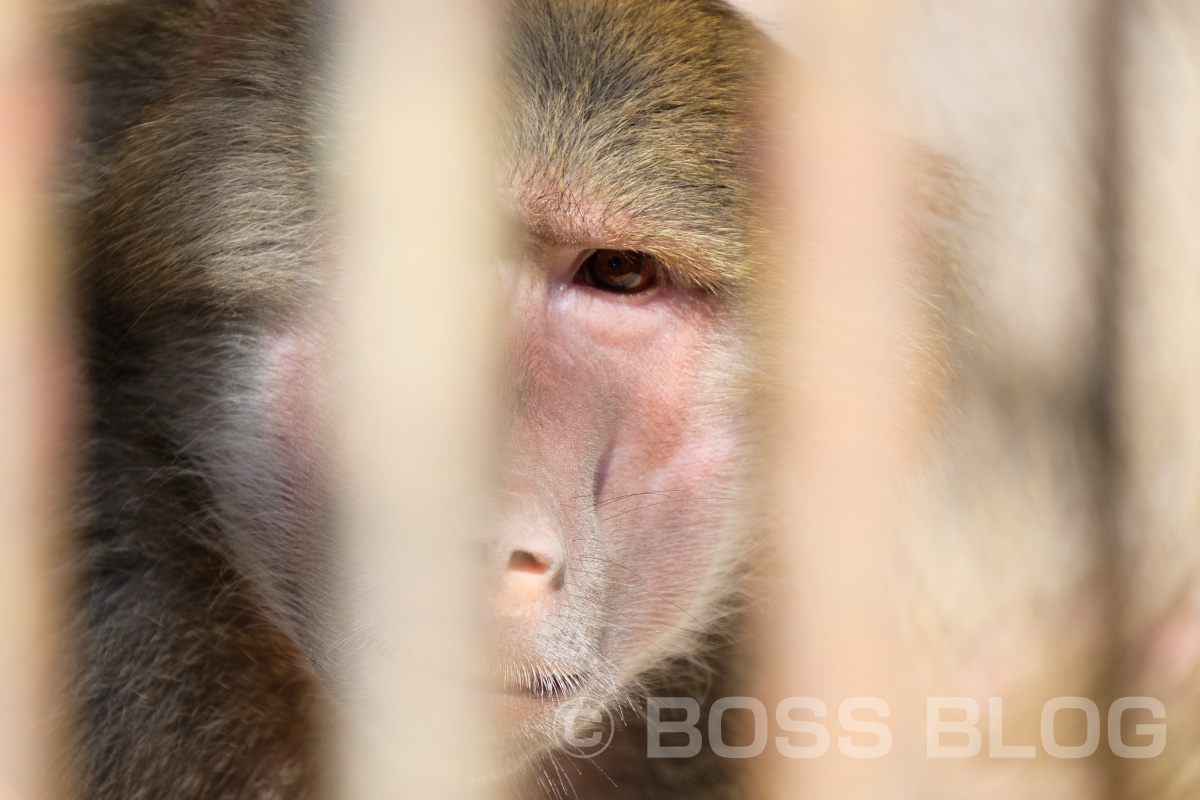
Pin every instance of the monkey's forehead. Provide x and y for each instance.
(641, 114)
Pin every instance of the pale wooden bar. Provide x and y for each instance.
(417, 310)
(961, 557)
(849, 415)
(33, 410)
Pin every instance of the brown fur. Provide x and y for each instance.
(640, 111)
(195, 213)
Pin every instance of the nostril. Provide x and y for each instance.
(524, 561)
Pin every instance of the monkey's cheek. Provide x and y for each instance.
(684, 548)
(666, 613)
(672, 613)
(297, 401)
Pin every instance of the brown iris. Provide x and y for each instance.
(620, 271)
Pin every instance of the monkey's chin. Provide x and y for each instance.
(526, 709)
(522, 730)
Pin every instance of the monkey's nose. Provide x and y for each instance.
(530, 576)
(525, 561)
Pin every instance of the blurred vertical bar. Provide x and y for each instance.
(1158, 377)
(850, 414)
(32, 357)
(1012, 590)
(417, 315)
(1109, 62)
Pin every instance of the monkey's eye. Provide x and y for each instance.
(620, 271)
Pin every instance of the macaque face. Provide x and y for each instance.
(625, 164)
(621, 467)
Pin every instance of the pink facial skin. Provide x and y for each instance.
(279, 488)
(619, 475)
(298, 419)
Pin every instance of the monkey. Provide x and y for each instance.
(206, 499)
(630, 155)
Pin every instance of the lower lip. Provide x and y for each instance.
(520, 700)
(510, 707)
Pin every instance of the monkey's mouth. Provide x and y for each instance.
(541, 685)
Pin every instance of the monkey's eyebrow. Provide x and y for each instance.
(548, 237)
(559, 217)
(560, 230)
(585, 231)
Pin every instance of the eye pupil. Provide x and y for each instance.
(618, 271)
